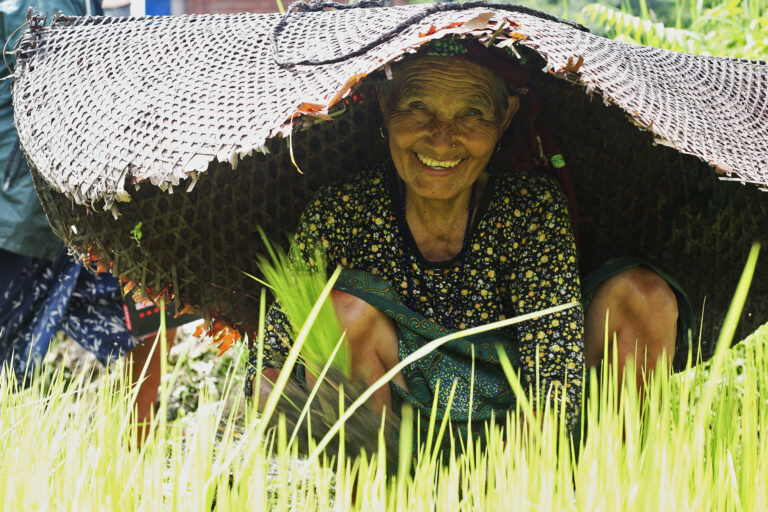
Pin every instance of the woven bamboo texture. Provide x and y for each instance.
(187, 125)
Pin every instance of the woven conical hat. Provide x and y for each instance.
(187, 125)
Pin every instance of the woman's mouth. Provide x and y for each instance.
(438, 165)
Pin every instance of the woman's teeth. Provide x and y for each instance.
(437, 164)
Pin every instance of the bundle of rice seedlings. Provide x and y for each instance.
(296, 286)
(311, 412)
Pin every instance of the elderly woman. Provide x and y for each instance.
(436, 240)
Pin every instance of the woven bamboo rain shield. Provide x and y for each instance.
(189, 126)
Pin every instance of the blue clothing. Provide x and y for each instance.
(39, 297)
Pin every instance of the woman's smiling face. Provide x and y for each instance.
(444, 121)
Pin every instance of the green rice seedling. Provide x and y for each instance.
(311, 413)
(296, 287)
(695, 440)
(82, 463)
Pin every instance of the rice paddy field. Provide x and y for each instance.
(697, 440)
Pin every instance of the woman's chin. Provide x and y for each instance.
(436, 188)
(434, 183)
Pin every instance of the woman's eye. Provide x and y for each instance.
(474, 112)
(417, 105)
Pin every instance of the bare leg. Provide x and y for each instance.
(372, 340)
(642, 314)
(147, 394)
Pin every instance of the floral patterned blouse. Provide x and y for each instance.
(521, 258)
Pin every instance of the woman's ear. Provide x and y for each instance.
(513, 105)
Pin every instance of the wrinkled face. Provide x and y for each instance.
(444, 120)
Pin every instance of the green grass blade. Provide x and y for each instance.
(315, 389)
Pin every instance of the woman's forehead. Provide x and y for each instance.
(440, 91)
(421, 75)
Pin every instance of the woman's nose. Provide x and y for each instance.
(442, 133)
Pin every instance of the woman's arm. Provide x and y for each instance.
(546, 274)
